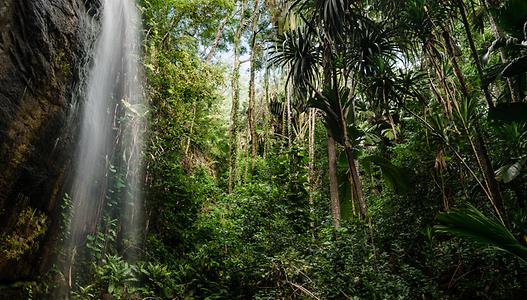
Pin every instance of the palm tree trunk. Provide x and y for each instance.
(480, 151)
(488, 172)
(265, 113)
(457, 69)
(311, 153)
(474, 53)
(357, 185)
(311, 143)
(289, 94)
(333, 181)
(332, 154)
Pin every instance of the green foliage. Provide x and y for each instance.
(65, 216)
(395, 177)
(509, 112)
(471, 223)
(157, 280)
(117, 275)
(31, 224)
(511, 16)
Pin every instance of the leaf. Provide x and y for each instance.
(516, 67)
(511, 16)
(395, 177)
(472, 224)
(467, 110)
(493, 73)
(509, 112)
(509, 172)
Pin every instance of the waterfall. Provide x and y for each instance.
(108, 162)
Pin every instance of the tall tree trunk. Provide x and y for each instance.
(453, 59)
(289, 94)
(480, 150)
(474, 53)
(250, 110)
(235, 86)
(217, 37)
(488, 172)
(266, 113)
(333, 181)
(357, 185)
(246, 155)
(486, 164)
(311, 143)
(311, 153)
(332, 155)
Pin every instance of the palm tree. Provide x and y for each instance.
(299, 50)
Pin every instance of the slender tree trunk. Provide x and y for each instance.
(235, 86)
(357, 185)
(333, 181)
(311, 143)
(475, 55)
(332, 156)
(247, 160)
(311, 154)
(217, 37)
(488, 172)
(480, 149)
(250, 110)
(289, 93)
(267, 127)
(453, 59)
(283, 128)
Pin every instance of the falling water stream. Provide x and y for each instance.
(108, 161)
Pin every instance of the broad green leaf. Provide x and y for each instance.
(516, 67)
(509, 112)
(472, 224)
(395, 177)
(509, 172)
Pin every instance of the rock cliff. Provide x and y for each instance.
(43, 46)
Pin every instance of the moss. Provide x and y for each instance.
(30, 225)
(23, 290)
(61, 62)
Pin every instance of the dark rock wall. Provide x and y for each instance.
(42, 48)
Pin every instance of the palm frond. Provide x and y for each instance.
(511, 17)
(472, 224)
(297, 50)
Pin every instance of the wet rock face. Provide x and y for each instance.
(42, 46)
